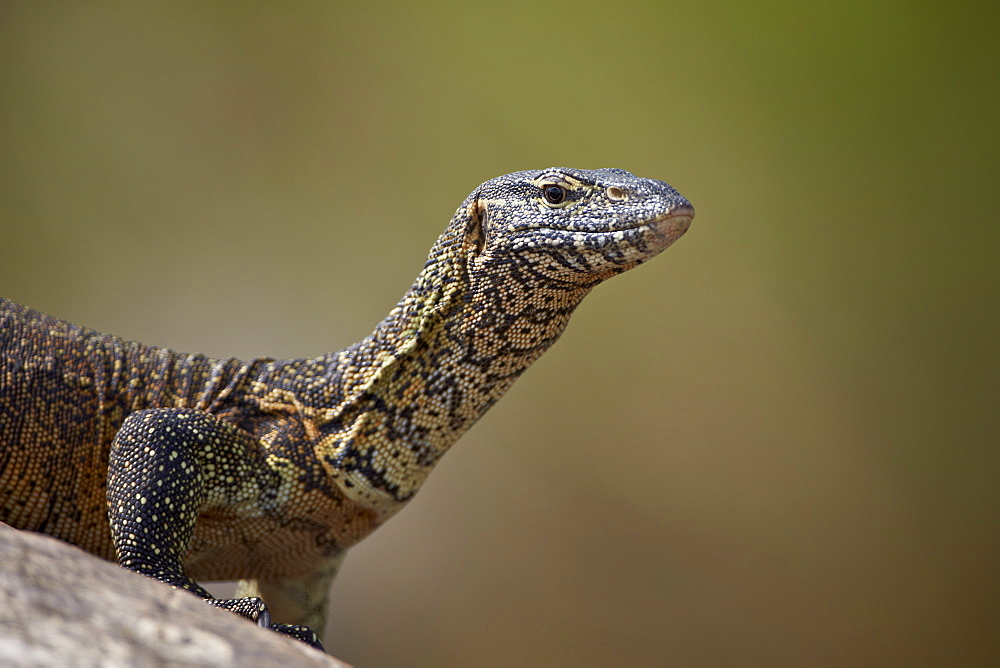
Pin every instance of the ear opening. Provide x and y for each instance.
(475, 234)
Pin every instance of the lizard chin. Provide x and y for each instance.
(668, 228)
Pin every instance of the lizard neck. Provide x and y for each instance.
(443, 356)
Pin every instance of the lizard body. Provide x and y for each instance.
(186, 468)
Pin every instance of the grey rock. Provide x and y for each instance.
(61, 606)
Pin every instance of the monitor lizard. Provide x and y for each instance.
(185, 468)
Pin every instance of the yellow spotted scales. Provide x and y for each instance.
(186, 468)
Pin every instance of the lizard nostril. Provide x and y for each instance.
(615, 193)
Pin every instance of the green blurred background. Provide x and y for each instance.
(775, 444)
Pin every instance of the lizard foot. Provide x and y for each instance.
(303, 633)
(254, 609)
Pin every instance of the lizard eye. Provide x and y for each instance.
(554, 194)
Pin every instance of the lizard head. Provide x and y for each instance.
(538, 241)
(573, 225)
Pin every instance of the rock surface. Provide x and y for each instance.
(62, 606)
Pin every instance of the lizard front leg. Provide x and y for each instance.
(166, 466)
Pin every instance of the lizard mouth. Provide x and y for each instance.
(675, 221)
(679, 218)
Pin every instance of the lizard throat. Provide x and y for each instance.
(432, 368)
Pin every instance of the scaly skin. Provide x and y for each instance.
(270, 470)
